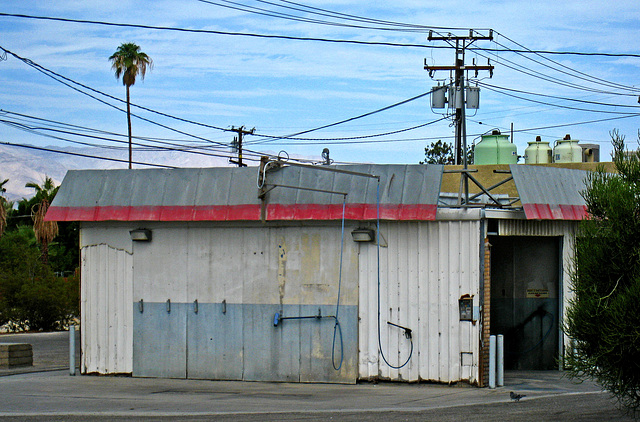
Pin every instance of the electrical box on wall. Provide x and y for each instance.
(465, 304)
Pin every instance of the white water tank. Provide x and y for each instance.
(538, 152)
(567, 150)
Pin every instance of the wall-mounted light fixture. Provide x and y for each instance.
(363, 235)
(141, 235)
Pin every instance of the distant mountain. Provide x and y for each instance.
(22, 165)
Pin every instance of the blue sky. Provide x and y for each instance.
(283, 86)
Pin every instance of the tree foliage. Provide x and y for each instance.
(45, 231)
(31, 296)
(442, 153)
(128, 61)
(603, 319)
(439, 153)
(34, 294)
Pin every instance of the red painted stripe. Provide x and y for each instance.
(403, 212)
(574, 212)
(555, 212)
(249, 212)
(112, 213)
(70, 214)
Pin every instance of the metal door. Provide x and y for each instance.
(525, 273)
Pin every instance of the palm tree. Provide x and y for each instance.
(3, 210)
(45, 231)
(127, 62)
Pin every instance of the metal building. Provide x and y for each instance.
(317, 274)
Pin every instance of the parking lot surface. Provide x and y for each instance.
(46, 391)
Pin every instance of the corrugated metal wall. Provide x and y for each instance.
(241, 276)
(424, 270)
(140, 313)
(106, 295)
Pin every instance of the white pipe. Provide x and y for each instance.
(492, 361)
(500, 361)
(72, 349)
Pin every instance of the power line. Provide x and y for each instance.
(287, 37)
(50, 73)
(573, 73)
(396, 26)
(365, 139)
(541, 52)
(210, 31)
(140, 146)
(579, 123)
(37, 131)
(496, 88)
(303, 38)
(552, 52)
(57, 128)
(535, 74)
(266, 12)
(57, 77)
(350, 17)
(349, 119)
(82, 155)
(386, 25)
(291, 137)
(530, 72)
(377, 135)
(54, 123)
(553, 104)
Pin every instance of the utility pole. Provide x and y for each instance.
(237, 143)
(461, 43)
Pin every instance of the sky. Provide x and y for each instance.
(211, 73)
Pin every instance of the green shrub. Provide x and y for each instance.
(43, 303)
(603, 319)
(31, 297)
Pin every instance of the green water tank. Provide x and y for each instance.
(495, 148)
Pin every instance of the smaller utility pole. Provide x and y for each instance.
(237, 143)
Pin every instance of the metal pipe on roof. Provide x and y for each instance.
(327, 168)
(309, 189)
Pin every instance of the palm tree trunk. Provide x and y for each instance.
(129, 126)
(3, 216)
(45, 253)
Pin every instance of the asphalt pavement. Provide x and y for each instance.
(46, 391)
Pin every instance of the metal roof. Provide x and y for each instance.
(406, 192)
(550, 193)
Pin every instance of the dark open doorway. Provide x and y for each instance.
(525, 273)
